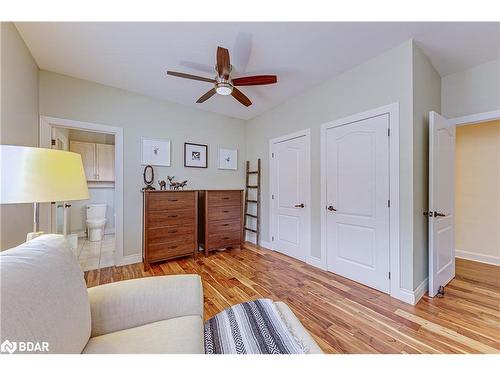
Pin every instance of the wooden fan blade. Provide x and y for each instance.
(242, 98)
(190, 76)
(206, 96)
(223, 63)
(255, 80)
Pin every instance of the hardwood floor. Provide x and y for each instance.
(342, 315)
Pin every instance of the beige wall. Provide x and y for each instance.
(380, 81)
(426, 98)
(474, 90)
(19, 122)
(478, 192)
(140, 116)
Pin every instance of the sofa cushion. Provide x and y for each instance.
(183, 335)
(44, 296)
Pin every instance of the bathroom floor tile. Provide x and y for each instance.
(96, 254)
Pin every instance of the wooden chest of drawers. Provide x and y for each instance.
(170, 225)
(220, 219)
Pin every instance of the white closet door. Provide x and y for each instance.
(357, 188)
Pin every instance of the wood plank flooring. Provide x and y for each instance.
(342, 315)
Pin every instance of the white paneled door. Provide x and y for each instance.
(441, 202)
(290, 196)
(357, 201)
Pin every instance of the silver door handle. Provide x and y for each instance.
(439, 214)
(330, 208)
(300, 205)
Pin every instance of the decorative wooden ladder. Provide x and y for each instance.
(255, 214)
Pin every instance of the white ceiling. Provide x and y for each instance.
(136, 56)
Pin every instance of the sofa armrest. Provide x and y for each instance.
(132, 303)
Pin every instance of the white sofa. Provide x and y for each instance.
(44, 299)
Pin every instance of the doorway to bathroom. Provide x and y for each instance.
(92, 227)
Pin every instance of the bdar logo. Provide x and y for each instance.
(9, 347)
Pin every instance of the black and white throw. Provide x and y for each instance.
(254, 327)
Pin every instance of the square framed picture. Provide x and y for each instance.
(228, 159)
(156, 152)
(195, 155)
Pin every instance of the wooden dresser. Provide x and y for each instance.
(170, 225)
(220, 219)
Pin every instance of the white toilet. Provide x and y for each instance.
(96, 221)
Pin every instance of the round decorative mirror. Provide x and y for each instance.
(149, 177)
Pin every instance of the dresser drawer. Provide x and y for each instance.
(171, 233)
(170, 250)
(225, 239)
(171, 201)
(224, 198)
(224, 226)
(170, 217)
(224, 213)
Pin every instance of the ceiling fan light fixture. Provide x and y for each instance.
(224, 88)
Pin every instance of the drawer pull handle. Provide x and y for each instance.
(226, 238)
(225, 211)
(225, 197)
(225, 225)
(172, 215)
(172, 247)
(173, 200)
(172, 231)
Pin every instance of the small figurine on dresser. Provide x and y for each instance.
(175, 185)
(163, 184)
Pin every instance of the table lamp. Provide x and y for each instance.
(37, 175)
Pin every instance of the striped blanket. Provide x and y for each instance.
(254, 327)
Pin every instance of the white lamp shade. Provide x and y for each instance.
(31, 175)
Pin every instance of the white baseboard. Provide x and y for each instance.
(129, 259)
(250, 237)
(316, 262)
(421, 290)
(404, 295)
(409, 296)
(477, 257)
(266, 244)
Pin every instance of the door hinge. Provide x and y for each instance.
(388, 132)
(272, 238)
(272, 154)
(389, 203)
(53, 142)
(272, 196)
(389, 275)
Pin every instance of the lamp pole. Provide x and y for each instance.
(36, 216)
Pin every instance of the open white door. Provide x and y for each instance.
(441, 202)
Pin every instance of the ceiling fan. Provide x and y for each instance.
(223, 83)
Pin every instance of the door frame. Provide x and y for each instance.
(46, 124)
(394, 246)
(473, 119)
(307, 241)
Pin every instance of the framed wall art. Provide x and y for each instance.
(195, 155)
(228, 159)
(156, 152)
